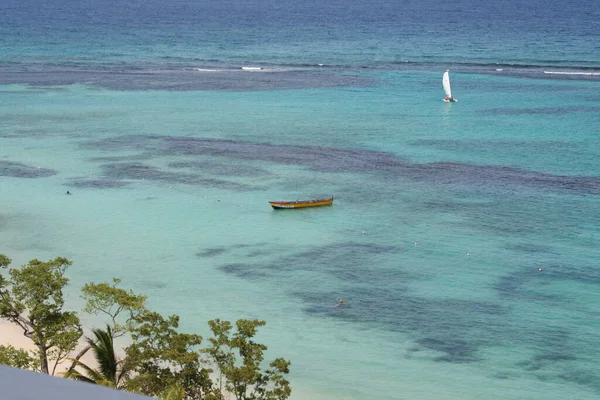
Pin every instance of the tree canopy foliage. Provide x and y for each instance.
(158, 361)
(244, 377)
(16, 358)
(32, 298)
(120, 305)
(164, 358)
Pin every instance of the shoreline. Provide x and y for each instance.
(11, 334)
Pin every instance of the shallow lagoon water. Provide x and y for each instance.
(435, 238)
(463, 237)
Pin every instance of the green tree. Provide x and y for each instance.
(244, 377)
(32, 298)
(174, 393)
(16, 358)
(111, 371)
(160, 361)
(120, 305)
(161, 358)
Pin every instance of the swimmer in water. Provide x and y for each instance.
(68, 192)
(339, 304)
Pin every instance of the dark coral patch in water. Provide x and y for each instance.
(455, 350)
(225, 169)
(247, 271)
(540, 110)
(545, 360)
(333, 160)
(98, 183)
(186, 79)
(529, 248)
(19, 170)
(139, 171)
(212, 252)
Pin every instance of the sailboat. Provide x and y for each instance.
(446, 85)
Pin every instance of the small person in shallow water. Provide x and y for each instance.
(68, 192)
(339, 303)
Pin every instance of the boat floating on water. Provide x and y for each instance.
(287, 205)
(446, 85)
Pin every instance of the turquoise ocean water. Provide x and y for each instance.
(464, 237)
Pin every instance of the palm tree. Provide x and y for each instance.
(110, 371)
(174, 393)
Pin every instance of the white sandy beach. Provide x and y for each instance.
(13, 335)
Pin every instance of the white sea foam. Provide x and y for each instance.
(572, 73)
(252, 68)
(208, 70)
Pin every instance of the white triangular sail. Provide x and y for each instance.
(446, 84)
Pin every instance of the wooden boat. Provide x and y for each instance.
(287, 205)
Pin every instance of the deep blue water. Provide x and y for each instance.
(356, 34)
(464, 237)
